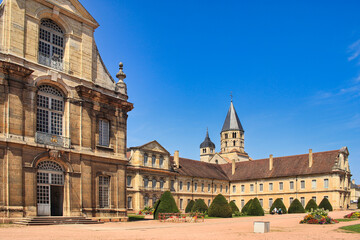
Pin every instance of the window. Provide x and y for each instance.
(234, 189)
(291, 185)
(154, 183)
(162, 184)
(216, 161)
(128, 181)
(181, 203)
(242, 203)
(270, 187)
(313, 184)
(104, 183)
(221, 188)
(251, 187)
(226, 136)
(327, 197)
(51, 44)
(261, 202)
(145, 159)
(204, 150)
(242, 188)
(181, 185)
(226, 189)
(326, 183)
(146, 201)
(146, 182)
(302, 200)
(270, 202)
(302, 184)
(209, 188)
(209, 201)
(281, 186)
(161, 162)
(103, 132)
(188, 186)
(215, 186)
(202, 187)
(261, 187)
(291, 200)
(153, 161)
(195, 187)
(172, 183)
(129, 202)
(314, 198)
(234, 143)
(50, 109)
(188, 201)
(234, 135)
(154, 198)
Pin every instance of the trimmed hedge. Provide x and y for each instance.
(246, 207)
(278, 204)
(358, 203)
(255, 208)
(311, 205)
(199, 206)
(189, 206)
(220, 207)
(233, 206)
(325, 204)
(166, 205)
(296, 207)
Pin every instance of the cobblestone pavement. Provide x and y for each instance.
(281, 227)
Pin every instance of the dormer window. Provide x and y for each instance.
(51, 44)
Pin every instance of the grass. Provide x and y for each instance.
(133, 218)
(347, 219)
(352, 228)
(207, 217)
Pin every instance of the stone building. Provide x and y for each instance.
(234, 174)
(63, 117)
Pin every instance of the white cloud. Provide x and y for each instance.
(354, 50)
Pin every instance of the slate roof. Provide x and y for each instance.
(207, 142)
(232, 121)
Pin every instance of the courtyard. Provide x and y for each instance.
(281, 227)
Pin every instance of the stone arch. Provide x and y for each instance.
(43, 12)
(58, 83)
(53, 155)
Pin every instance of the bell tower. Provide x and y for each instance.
(207, 149)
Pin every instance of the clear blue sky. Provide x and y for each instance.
(293, 68)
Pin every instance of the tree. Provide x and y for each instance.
(220, 207)
(325, 204)
(278, 204)
(358, 205)
(166, 205)
(255, 208)
(245, 208)
(311, 205)
(296, 207)
(189, 206)
(233, 206)
(199, 206)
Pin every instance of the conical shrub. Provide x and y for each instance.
(358, 205)
(255, 208)
(220, 207)
(325, 204)
(278, 204)
(189, 206)
(233, 206)
(199, 206)
(311, 205)
(246, 207)
(166, 205)
(296, 207)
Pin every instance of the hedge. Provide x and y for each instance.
(311, 205)
(166, 205)
(199, 206)
(246, 207)
(189, 206)
(220, 207)
(255, 208)
(233, 206)
(278, 204)
(296, 207)
(325, 204)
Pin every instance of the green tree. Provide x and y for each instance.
(325, 204)
(278, 204)
(358, 205)
(189, 206)
(166, 205)
(296, 207)
(255, 208)
(246, 207)
(220, 207)
(233, 206)
(199, 206)
(311, 205)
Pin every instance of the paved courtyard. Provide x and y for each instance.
(281, 226)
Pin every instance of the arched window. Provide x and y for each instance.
(51, 44)
(234, 134)
(50, 108)
(234, 143)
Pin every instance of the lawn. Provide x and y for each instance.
(352, 228)
(347, 219)
(133, 218)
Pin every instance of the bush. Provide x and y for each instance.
(199, 206)
(325, 204)
(189, 206)
(358, 203)
(278, 204)
(233, 206)
(246, 207)
(311, 205)
(296, 207)
(220, 207)
(318, 216)
(166, 205)
(255, 208)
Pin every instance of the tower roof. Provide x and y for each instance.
(232, 121)
(207, 142)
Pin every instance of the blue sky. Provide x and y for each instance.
(293, 68)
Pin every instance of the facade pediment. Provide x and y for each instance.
(217, 159)
(153, 146)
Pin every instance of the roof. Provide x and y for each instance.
(232, 121)
(207, 142)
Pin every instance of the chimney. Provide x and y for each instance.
(310, 158)
(353, 181)
(176, 158)
(271, 162)
(233, 167)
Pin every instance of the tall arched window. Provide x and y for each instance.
(51, 44)
(50, 109)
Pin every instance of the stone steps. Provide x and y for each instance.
(35, 221)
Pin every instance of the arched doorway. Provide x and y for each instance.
(50, 189)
